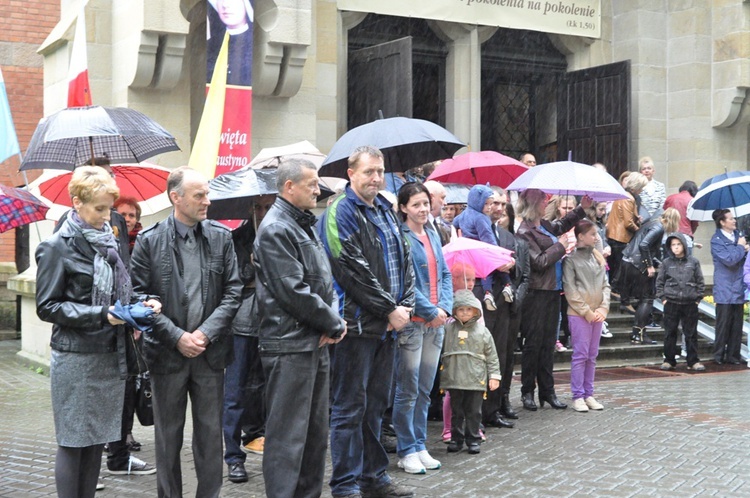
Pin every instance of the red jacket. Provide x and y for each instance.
(680, 203)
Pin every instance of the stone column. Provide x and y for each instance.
(463, 90)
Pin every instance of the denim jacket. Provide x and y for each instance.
(423, 308)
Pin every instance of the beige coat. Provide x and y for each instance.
(585, 284)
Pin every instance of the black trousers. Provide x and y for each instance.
(504, 326)
(467, 413)
(170, 395)
(297, 426)
(687, 314)
(614, 261)
(540, 312)
(728, 332)
(119, 454)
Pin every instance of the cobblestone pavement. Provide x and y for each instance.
(676, 435)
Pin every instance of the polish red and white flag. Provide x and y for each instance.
(79, 89)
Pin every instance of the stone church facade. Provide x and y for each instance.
(678, 73)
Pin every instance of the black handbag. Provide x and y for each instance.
(144, 408)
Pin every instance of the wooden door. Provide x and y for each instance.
(593, 120)
(380, 80)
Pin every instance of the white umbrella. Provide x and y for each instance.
(570, 178)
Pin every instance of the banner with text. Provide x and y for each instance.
(234, 17)
(567, 17)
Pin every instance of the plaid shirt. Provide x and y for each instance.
(391, 244)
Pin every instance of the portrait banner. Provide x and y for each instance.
(235, 19)
(567, 17)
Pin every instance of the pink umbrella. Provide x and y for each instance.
(485, 258)
(482, 167)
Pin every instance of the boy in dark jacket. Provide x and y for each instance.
(680, 288)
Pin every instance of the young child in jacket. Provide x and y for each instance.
(680, 287)
(469, 361)
(475, 223)
(587, 293)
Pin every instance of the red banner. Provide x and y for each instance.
(236, 18)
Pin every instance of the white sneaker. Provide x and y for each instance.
(508, 294)
(605, 331)
(489, 302)
(428, 462)
(579, 405)
(411, 464)
(593, 403)
(559, 347)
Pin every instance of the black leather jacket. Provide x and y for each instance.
(358, 263)
(65, 267)
(643, 249)
(156, 269)
(246, 321)
(519, 278)
(295, 287)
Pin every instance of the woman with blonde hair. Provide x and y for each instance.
(80, 276)
(541, 308)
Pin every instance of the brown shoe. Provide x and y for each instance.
(255, 446)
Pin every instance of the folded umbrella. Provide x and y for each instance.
(138, 315)
(485, 258)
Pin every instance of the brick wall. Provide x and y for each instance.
(24, 25)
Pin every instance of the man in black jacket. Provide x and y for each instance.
(505, 323)
(299, 319)
(190, 265)
(375, 282)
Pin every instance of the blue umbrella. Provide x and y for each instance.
(405, 143)
(725, 191)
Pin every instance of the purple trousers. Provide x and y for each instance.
(584, 338)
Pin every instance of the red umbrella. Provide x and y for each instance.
(140, 181)
(482, 167)
(18, 208)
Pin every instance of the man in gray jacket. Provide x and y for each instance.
(299, 319)
(189, 264)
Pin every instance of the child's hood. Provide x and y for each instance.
(465, 297)
(478, 195)
(668, 244)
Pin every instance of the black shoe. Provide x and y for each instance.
(506, 410)
(499, 422)
(454, 447)
(237, 472)
(528, 402)
(553, 402)
(473, 449)
(390, 490)
(388, 442)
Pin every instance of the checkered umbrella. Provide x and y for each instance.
(73, 136)
(19, 208)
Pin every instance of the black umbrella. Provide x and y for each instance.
(73, 136)
(405, 143)
(232, 194)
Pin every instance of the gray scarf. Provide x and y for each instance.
(111, 278)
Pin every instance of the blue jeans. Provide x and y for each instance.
(244, 406)
(417, 358)
(360, 390)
